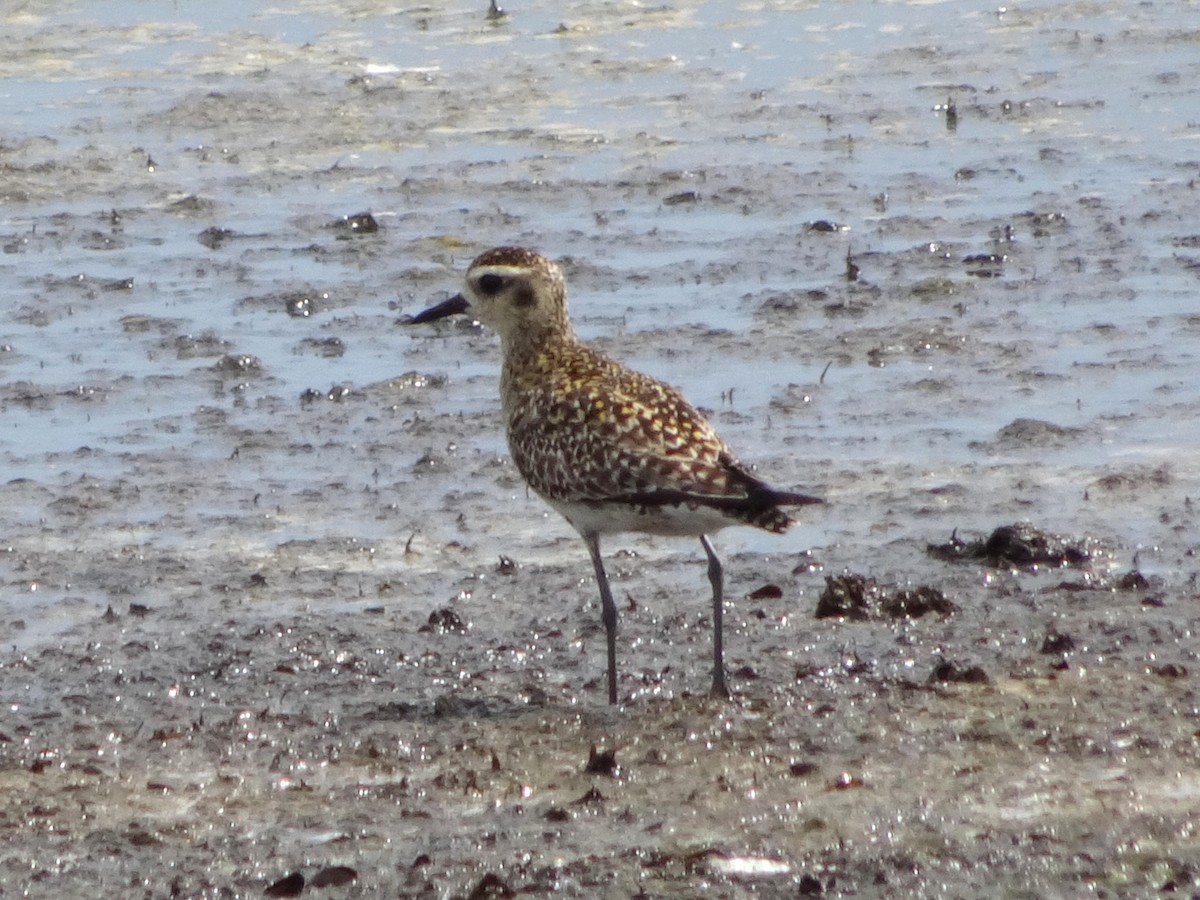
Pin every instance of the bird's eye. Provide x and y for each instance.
(490, 284)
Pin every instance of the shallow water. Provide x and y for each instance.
(272, 505)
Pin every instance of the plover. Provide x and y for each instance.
(610, 449)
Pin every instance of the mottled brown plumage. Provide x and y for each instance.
(609, 448)
(584, 429)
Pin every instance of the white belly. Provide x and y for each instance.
(671, 521)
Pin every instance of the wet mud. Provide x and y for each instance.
(281, 618)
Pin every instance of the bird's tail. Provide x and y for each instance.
(767, 512)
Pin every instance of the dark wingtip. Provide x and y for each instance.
(455, 305)
(797, 500)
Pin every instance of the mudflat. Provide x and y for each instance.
(280, 616)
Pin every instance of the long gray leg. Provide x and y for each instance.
(608, 613)
(716, 578)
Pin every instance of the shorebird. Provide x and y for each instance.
(612, 450)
